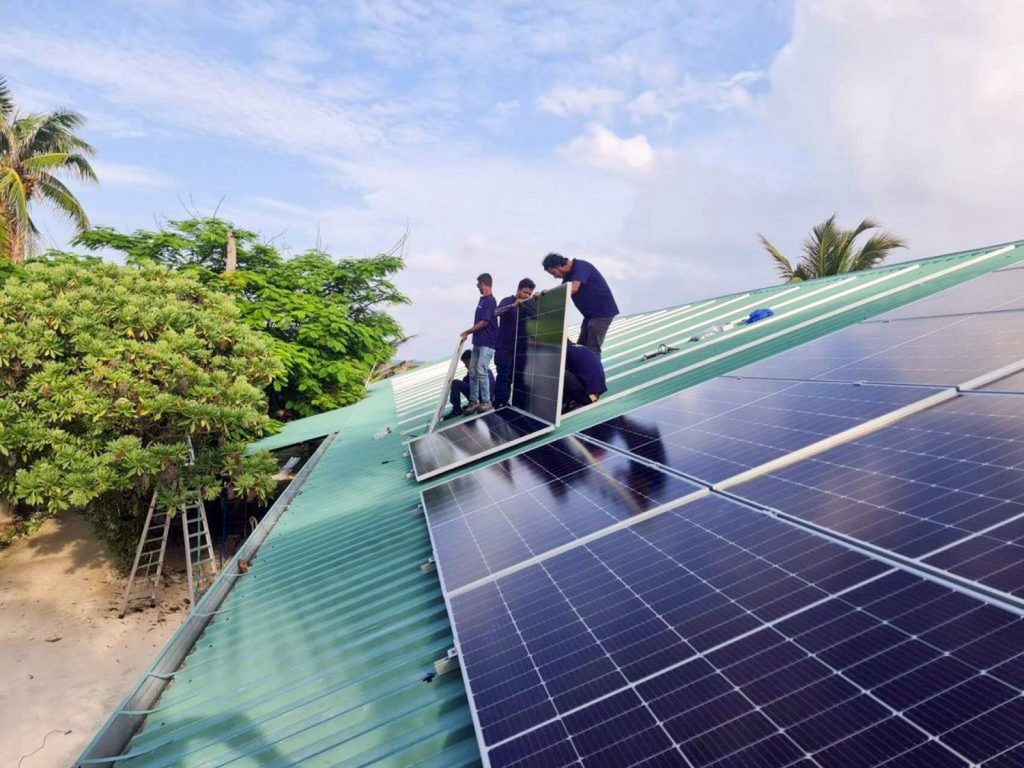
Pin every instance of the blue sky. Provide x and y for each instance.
(655, 140)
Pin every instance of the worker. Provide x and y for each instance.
(584, 377)
(460, 388)
(591, 295)
(508, 331)
(485, 336)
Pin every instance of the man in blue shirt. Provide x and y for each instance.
(460, 387)
(584, 379)
(591, 295)
(485, 337)
(508, 330)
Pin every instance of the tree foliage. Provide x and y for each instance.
(106, 372)
(829, 250)
(327, 317)
(35, 149)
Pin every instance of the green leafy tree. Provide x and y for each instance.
(35, 149)
(327, 317)
(106, 372)
(830, 250)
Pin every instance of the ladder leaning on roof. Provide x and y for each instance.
(200, 561)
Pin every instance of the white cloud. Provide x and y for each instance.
(564, 100)
(718, 94)
(127, 175)
(601, 148)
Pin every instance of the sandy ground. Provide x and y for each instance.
(66, 659)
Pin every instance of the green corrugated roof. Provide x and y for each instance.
(317, 654)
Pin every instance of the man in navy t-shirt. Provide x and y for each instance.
(508, 329)
(485, 337)
(591, 295)
(584, 377)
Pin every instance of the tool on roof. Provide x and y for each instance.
(757, 314)
(712, 331)
(663, 349)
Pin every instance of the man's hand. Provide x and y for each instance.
(464, 335)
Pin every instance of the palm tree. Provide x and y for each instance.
(830, 251)
(34, 148)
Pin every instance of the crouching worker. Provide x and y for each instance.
(460, 388)
(584, 377)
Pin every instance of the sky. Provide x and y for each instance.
(655, 140)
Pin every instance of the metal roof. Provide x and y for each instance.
(317, 654)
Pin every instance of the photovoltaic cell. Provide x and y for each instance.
(726, 426)
(926, 488)
(935, 351)
(503, 514)
(459, 443)
(540, 355)
(994, 292)
(714, 635)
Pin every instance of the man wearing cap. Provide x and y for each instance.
(485, 337)
(591, 295)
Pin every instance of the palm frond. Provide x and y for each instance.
(782, 265)
(13, 196)
(876, 249)
(6, 100)
(52, 191)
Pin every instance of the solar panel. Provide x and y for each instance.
(473, 439)
(536, 395)
(936, 351)
(994, 292)
(540, 355)
(726, 426)
(717, 635)
(923, 488)
(501, 515)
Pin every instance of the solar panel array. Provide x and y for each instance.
(818, 564)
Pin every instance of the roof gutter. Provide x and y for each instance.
(109, 743)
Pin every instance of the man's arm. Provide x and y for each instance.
(470, 331)
(575, 286)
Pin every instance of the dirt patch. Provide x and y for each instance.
(68, 660)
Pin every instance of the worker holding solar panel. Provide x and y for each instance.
(485, 338)
(508, 329)
(591, 295)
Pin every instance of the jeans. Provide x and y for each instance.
(503, 384)
(573, 390)
(592, 333)
(479, 381)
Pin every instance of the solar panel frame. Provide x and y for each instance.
(998, 291)
(449, 438)
(448, 378)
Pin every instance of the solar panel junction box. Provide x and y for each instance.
(448, 664)
(430, 566)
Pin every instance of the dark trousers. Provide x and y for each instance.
(592, 333)
(460, 389)
(573, 390)
(504, 361)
